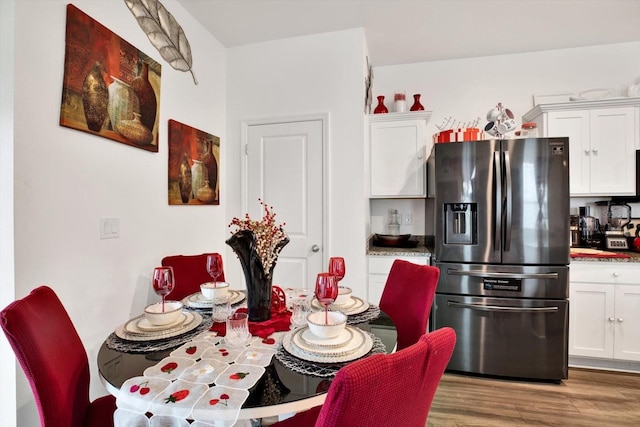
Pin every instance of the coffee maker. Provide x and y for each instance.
(589, 227)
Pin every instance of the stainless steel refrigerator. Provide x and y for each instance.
(502, 245)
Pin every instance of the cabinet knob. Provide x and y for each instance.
(595, 151)
(587, 152)
(419, 156)
(616, 274)
(611, 319)
(315, 248)
(620, 320)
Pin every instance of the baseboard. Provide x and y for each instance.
(604, 364)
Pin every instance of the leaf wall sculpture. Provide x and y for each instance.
(164, 33)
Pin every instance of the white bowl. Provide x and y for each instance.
(214, 290)
(172, 311)
(337, 323)
(344, 296)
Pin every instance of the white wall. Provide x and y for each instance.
(466, 89)
(65, 180)
(301, 76)
(7, 291)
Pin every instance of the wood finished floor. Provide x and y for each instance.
(588, 398)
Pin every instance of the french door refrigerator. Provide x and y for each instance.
(502, 245)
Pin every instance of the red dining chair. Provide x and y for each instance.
(189, 271)
(407, 298)
(382, 390)
(54, 360)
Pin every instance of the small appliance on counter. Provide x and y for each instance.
(589, 226)
(618, 217)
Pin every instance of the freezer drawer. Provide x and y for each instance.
(518, 338)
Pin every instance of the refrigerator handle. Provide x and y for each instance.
(497, 193)
(509, 199)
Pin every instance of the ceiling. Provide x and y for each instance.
(408, 31)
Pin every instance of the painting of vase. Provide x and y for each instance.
(194, 166)
(110, 88)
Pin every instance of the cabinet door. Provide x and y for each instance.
(398, 158)
(575, 125)
(627, 321)
(613, 166)
(592, 322)
(379, 267)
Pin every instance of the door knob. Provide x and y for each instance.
(315, 248)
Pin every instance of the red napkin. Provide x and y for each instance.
(277, 323)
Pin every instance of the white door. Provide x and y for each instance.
(284, 168)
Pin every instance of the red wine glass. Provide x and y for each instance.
(337, 268)
(163, 282)
(214, 266)
(326, 292)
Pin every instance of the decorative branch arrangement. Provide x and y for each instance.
(164, 33)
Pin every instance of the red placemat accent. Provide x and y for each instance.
(277, 323)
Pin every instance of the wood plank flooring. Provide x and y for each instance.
(589, 398)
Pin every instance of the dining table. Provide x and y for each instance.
(291, 381)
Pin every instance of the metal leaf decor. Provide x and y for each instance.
(164, 33)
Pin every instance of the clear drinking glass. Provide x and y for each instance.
(300, 309)
(221, 309)
(237, 334)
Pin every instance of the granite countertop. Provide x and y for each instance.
(424, 248)
(608, 256)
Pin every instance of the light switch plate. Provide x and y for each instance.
(109, 228)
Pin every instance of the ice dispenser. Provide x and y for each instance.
(460, 226)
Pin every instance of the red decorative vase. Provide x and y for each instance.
(380, 109)
(416, 103)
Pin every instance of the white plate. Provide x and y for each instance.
(355, 340)
(132, 325)
(308, 337)
(310, 356)
(143, 324)
(358, 307)
(192, 321)
(197, 300)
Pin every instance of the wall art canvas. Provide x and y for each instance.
(110, 88)
(194, 166)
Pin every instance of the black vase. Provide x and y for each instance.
(258, 281)
(95, 98)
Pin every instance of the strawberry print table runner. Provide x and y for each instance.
(202, 380)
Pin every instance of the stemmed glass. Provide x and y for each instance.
(214, 267)
(326, 292)
(337, 268)
(163, 282)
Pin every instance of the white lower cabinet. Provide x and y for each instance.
(379, 267)
(604, 307)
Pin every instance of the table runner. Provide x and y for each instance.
(203, 380)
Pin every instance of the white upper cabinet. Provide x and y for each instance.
(398, 150)
(603, 136)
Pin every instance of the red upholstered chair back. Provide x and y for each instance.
(407, 298)
(190, 271)
(54, 360)
(389, 390)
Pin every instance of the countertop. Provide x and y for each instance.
(423, 249)
(606, 256)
